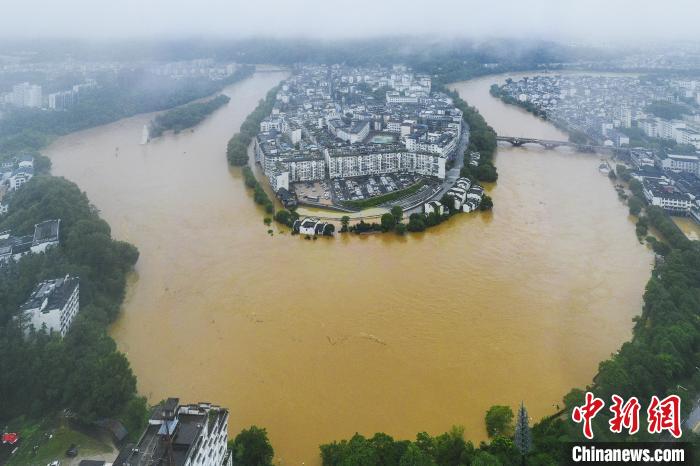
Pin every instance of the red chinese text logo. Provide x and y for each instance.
(625, 415)
(587, 412)
(665, 415)
(662, 415)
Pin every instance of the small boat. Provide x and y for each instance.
(604, 168)
(145, 135)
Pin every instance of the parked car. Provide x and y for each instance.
(72, 451)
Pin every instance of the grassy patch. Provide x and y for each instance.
(375, 201)
(36, 433)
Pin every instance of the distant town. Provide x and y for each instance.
(654, 121)
(52, 94)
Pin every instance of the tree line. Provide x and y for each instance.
(237, 148)
(185, 117)
(482, 139)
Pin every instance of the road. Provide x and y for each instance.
(452, 174)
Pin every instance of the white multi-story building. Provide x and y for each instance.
(394, 97)
(46, 235)
(181, 435)
(649, 126)
(663, 195)
(353, 133)
(442, 144)
(688, 136)
(681, 163)
(19, 177)
(351, 161)
(26, 95)
(52, 305)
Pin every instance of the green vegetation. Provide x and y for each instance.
(252, 448)
(237, 148)
(660, 220)
(50, 449)
(482, 139)
(451, 449)
(499, 421)
(384, 198)
(83, 372)
(344, 222)
(497, 91)
(486, 203)
(259, 195)
(666, 110)
(623, 172)
(635, 204)
(187, 116)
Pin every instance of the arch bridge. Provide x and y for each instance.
(551, 144)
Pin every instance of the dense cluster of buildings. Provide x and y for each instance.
(46, 235)
(602, 107)
(671, 182)
(340, 122)
(181, 435)
(198, 68)
(53, 304)
(14, 173)
(465, 195)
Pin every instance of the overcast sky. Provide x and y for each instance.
(595, 20)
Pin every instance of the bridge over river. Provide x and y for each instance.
(550, 144)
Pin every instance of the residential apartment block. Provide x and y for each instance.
(52, 305)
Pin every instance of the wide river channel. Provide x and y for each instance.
(317, 340)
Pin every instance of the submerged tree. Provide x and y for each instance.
(499, 421)
(523, 435)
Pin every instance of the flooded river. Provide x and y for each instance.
(317, 340)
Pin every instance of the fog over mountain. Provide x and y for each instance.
(580, 20)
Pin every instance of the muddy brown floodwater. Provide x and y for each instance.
(317, 340)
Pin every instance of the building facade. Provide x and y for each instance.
(181, 435)
(52, 305)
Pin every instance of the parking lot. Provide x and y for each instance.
(355, 189)
(317, 192)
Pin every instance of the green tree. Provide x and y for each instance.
(252, 448)
(447, 202)
(397, 212)
(344, 222)
(283, 216)
(486, 203)
(635, 205)
(414, 456)
(388, 222)
(499, 421)
(636, 187)
(484, 458)
(523, 435)
(416, 222)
